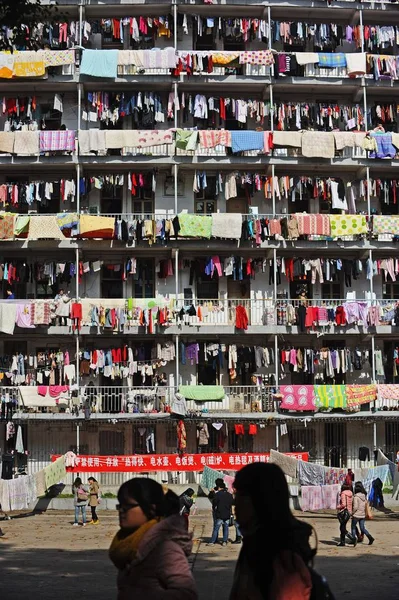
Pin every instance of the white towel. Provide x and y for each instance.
(356, 63)
(26, 143)
(7, 141)
(227, 225)
(306, 58)
(287, 138)
(318, 144)
(92, 140)
(8, 316)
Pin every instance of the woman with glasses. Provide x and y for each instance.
(151, 548)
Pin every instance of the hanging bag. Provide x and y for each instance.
(368, 512)
(344, 514)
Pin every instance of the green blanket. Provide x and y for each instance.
(330, 396)
(202, 393)
(195, 226)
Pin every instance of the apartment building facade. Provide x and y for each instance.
(213, 188)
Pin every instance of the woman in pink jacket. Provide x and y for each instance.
(345, 505)
(151, 548)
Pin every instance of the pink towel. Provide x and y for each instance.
(55, 391)
(298, 397)
(42, 390)
(229, 480)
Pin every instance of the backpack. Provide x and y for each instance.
(82, 495)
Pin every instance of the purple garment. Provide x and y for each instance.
(209, 267)
(333, 355)
(349, 33)
(23, 318)
(385, 148)
(192, 351)
(72, 270)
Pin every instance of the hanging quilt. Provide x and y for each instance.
(330, 396)
(298, 397)
(344, 225)
(360, 394)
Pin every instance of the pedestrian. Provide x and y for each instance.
(94, 499)
(350, 477)
(359, 513)
(238, 539)
(10, 295)
(276, 556)
(222, 506)
(150, 550)
(345, 505)
(81, 497)
(186, 503)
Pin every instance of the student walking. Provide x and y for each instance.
(151, 548)
(186, 502)
(222, 506)
(345, 506)
(81, 497)
(359, 513)
(94, 499)
(276, 556)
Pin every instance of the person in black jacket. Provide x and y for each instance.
(186, 501)
(222, 506)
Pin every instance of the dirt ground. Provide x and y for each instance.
(43, 557)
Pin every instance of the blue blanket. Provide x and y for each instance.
(99, 63)
(332, 60)
(247, 140)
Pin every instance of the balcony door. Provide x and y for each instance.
(237, 205)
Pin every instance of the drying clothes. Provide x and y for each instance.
(242, 141)
(55, 472)
(241, 318)
(311, 498)
(332, 60)
(317, 144)
(330, 496)
(347, 225)
(298, 397)
(8, 315)
(227, 225)
(26, 143)
(210, 139)
(330, 396)
(92, 140)
(52, 141)
(386, 224)
(385, 148)
(195, 226)
(209, 476)
(132, 138)
(99, 63)
(4, 487)
(257, 57)
(335, 476)
(361, 394)
(44, 227)
(40, 483)
(310, 473)
(287, 139)
(18, 493)
(287, 464)
(364, 453)
(313, 224)
(7, 141)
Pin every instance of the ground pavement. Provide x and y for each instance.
(43, 557)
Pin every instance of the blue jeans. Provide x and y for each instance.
(83, 509)
(362, 525)
(238, 532)
(216, 526)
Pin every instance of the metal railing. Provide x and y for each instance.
(222, 312)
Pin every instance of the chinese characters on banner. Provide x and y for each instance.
(169, 462)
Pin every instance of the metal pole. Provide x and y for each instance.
(78, 188)
(175, 178)
(177, 274)
(177, 352)
(368, 193)
(273, 193)
(80, 22)
(277, 437)
(276, 359)
(365, 107)
(371, 279)
(375, 435)
(77, 272)
(77, 438)
(373, 358)
(175, 105)
(275, 274)
(77, 352)
(361, 28)
(175, 24)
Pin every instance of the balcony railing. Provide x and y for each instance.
(154, 400)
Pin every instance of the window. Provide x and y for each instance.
(390, 290)
(112, 443)
(240, 443)
(143, 440)
(43, 206)
(391, 439)
(143, 203)
(205, 207)
(111, 199)
(331, 291)
(303, 440)
(111, 281)
(171, 437)
(207, 287)
(335, 445)
(205, 42)
(144, 282)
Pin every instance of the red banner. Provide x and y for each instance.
(141, 463)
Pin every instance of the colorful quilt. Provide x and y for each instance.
(195, 226)
(257, 57)
(386, 224)
(57, 140)
(360, 394)
(6, 227)
(388, 391)
(330, 396)
(241, 141)
(313, 224)
(335, 476)
(212, 138)
(332, 60)
(298, 397)
(344, 225)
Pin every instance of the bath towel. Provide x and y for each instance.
(100, 63)
(316, 144)
(8, 316)
(7, 141)
(92, 140)
(227, 225)
(26, 143)
(287, 138)
(356, 64)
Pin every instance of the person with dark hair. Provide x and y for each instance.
(150, 550)
(186, 502)
(359, 513)
(276, 556)
(345, 505)
(94, 493)
(222, 504)
(81, 497)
